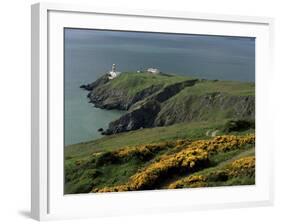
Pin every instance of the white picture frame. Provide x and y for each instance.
(48, 201)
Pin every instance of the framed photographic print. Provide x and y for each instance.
(138, 111)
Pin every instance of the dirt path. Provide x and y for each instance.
(212, 133)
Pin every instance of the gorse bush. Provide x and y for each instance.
(140, 152)
(243, 167)
(185, 161)
(223, 143)
(238, 125)
(193, 157)
(240, 168)
(191, 181)
(113, 167)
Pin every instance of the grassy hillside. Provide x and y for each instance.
(214, 86)
(209, 100)
(132, 82)
(203, 136)
(193, 131)
(158, 165)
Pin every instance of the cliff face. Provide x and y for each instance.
(106, 98)
(166, 103)
(211, 106)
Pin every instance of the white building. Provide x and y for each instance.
(113, 73)
(153, 70)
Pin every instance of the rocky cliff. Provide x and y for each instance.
(159, 100)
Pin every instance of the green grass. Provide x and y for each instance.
(228, 87)
(209, 88)
(83, 178)
(195, 130)
(221, 159)
(133, 82)
(191, 130)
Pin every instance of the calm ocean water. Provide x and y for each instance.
(90, 53)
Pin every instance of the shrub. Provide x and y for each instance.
(243, 167)
(140, 152)
(223, 143)
(240, 171)
(218, 176)
(192, 181)
(238, 125)
(185, 161)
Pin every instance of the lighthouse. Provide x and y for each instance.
(113, 73)
(113, 69)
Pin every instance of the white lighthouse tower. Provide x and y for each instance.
(113, 73)
(113, 69)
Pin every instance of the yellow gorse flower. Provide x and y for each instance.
(192, 157)
(241, 167)
(143, 150)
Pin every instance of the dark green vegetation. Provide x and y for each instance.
(239, 125)
(165, 115)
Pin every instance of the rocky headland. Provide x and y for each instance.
(152, 100)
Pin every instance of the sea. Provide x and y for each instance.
(88, 54)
